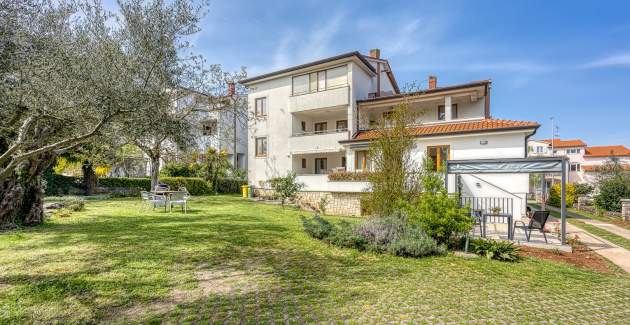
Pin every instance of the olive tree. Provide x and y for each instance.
(64, 76)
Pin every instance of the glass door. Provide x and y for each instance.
(321, 166)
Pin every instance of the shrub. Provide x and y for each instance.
(317, 227)
(583, 189)
(497, 250)
(555, 195)
(56, 184)
(181, 170)
(414, 242)
(378, 233)
(611, 191)
(440, 216)
(286, 187)
(347, 176)
(389, 235)
(343, 235)
(230, 184)
(74, 203)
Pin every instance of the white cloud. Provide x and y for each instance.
(618, 60)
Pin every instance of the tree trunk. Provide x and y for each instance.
(155, 170)
(11, 194)
(89, 177)
(32, 212)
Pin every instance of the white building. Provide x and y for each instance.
(584, 160)
(318, 117)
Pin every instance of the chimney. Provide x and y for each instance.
(231, 88)
(432, 82)
(375, 53)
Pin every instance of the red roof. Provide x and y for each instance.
(457, 127)
(607, 151)
(557, 143)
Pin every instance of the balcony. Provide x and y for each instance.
(321, 99)
(321, 183)
(317, 142)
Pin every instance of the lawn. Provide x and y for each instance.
(233, 261)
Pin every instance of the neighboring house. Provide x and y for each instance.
(220, 128)
(584, 161)
(319, 117)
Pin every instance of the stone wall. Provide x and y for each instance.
(338, 203)
(625, 209)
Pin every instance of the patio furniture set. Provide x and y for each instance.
(537, 221)
(162, 195)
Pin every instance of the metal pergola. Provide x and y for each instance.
(530, 165)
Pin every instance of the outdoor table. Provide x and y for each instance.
(166, 193)
(496, 215)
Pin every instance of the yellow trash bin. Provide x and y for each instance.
(245, 189)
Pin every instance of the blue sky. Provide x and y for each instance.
(566, 59)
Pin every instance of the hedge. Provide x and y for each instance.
(195, 185)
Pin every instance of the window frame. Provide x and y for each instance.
(256, 108)
(341, 129)
(257, 153)
(318, 74)
(454, 112)
(364, 163)
(325, 124)
(438, 161)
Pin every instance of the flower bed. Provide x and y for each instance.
(348, 176)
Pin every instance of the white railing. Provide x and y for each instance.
(320, 182)
(314, 143)
(306, 133)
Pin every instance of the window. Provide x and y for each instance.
(442, 112)
(574, 167)
(303, 124)
(261, 147)
(321, 127)
(261, 107)
(303, 163)
(575, 151)
(439, 155)
(320, 80)
(321, 166)
(362, 161)
(342, 125)
(539, 149)
(343, 162)
(209, 127)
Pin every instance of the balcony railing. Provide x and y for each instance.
(302, 134)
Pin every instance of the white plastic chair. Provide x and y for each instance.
(179, 198)
(185, 190)
(158, 201)
(146, 199)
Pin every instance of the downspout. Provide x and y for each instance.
(487, 102)
(378, 79)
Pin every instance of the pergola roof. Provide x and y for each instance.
(506, 165)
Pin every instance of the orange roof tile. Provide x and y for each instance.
(607, 151)
(558, 143)
(457, 127)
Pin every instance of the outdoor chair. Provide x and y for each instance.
(185, 190)
(146, 199)
(179, 198)
(158, 200)
(477, 221)
(536, 222)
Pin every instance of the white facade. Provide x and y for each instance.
(317, 128)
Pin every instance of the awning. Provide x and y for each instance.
(513, 165)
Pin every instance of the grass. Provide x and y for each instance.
(233, 261)
(597, 231)
(613, 220)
